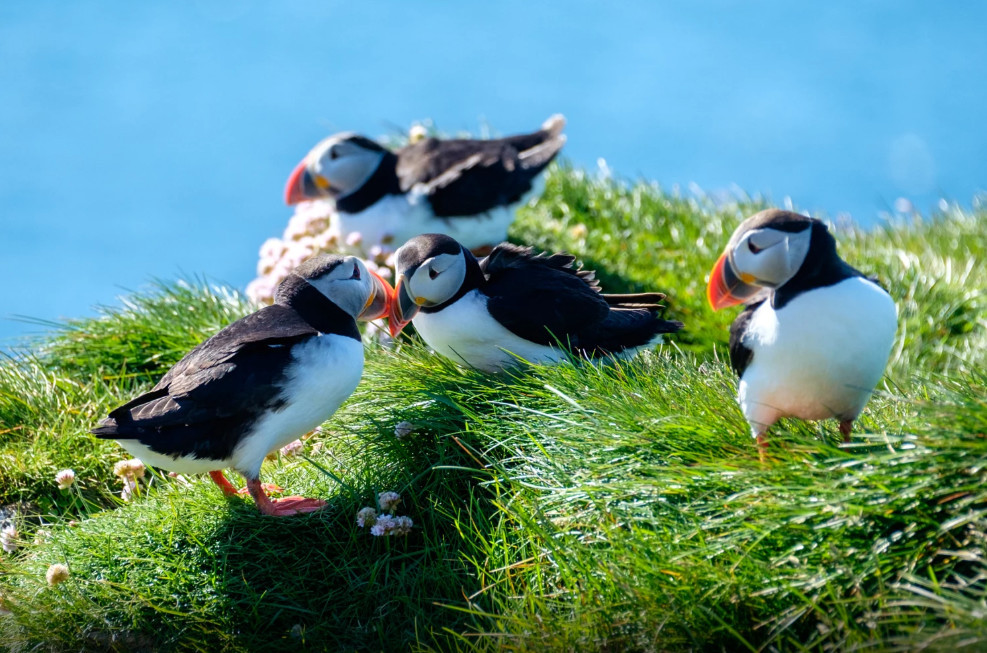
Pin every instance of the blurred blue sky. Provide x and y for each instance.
(154, 138)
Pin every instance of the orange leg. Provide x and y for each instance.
(762, 446)
(220, 479)
(845, 427)
(281, 507)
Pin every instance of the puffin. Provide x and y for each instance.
(515, 305)
(815, 335)
(465, 188)
(259, 383)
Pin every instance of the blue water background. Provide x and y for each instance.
(151, 139)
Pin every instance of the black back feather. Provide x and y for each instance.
(544, 299)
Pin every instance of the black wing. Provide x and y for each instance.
(740, 355)
(466, 177)
(204, 404)
(541, 298)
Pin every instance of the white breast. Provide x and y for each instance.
(466, 333)
(402, 217)
(324, 373)
(819, 356)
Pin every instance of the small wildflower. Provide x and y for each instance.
(133, 468)
(417, 133)
(388, 525)
(579, 231)
(403, 429)
(42, 535)
(354, 238)
(388, 501)
(73, 523)
(904, 205)
(65, 478)
(56, 574)
(366, 517)
(8, 538)
(272, 248)
(261, 290)
(129, 488)
(292, 448)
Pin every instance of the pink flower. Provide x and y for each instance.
(292, 448)
(56, 574)
(65, 478)
(388, 501)
(133, 468)
(272, 248)
(366, 517)
(387, 525)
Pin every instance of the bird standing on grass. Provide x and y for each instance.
(462, 187)
(816, 334)
(259, 383)
(515, 305)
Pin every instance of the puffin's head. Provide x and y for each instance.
(345, 280)
(334, 168)
(430, 270)
(765, 251)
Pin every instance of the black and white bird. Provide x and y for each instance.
(816, 334)
(465, 188)
(259, 383)
(515, 305)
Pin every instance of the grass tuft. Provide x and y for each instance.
(580, 507)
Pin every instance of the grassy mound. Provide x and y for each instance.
(578, 507)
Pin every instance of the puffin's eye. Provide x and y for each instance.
(333, 154)
(356, 272)
(432, 273)
(754, 248)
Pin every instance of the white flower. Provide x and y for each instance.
(297, 254)
(42, 535)
(129, 488)
(388, 525)
(327, 240)
(292, 448)
(261, 290)
(366, 517)
(417, 133)
(65, 478)
(265, 264)
(297, 227)
(403, 429)
(56, 574)
(354, 238)
(272, 248)
(388, 501)
(132, 468)
(8, 538)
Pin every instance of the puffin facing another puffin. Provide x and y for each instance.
(515, 305)
(465, 188)
(259, 383)
(816, 334)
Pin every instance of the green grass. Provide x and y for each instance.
(579, 507)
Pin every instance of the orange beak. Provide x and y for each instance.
(380, 300)
(403, 308)
(726, 288)
(295, 190)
